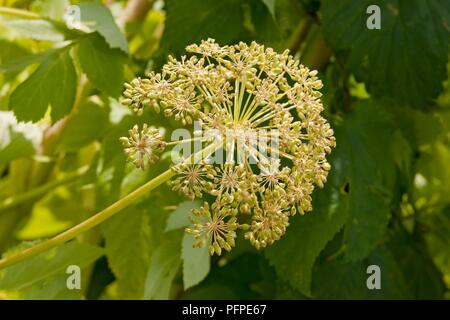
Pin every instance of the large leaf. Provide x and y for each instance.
(196, 261)
(98, 18)
(354, 195)
(367, 173)
(165, 262)
(180, 217)
(405, 59)
(405, 273)
(53, 83)
(102, 65)
(45, 274)
(293, 256)
(127, 244)
(245, 277)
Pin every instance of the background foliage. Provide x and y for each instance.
(387, 201)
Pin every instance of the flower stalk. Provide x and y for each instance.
(103, 215)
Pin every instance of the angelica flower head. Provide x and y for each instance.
(141, 147)
(266, 138)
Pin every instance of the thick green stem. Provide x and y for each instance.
(105, 214)
(36, 192)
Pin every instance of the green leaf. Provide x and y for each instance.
(196, 262)
(87, 124)
(262, 25)
(18, 64)
(128, 244)
(51, 289)
(37, 29)
(248, 276)
(423, 279)
(293, 256)
(10, 52)
(406, 59)
(180, 217)
(438, 240)
(98, 18)
(102, 65)
(338, 280)
(56, 212)
(405, 273)
(32, 97)
(367, 173)
(164, 265)
(270, 4)
(43, 268)
(191, 21)
(354, 195)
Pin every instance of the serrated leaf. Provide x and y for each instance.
(102, 65)
(405, 273)
(98, 18)
(196, 262)
(47, 265)
(353, 196)
(128, 244)
(367, 172)
(164, 265)
(180, 217)
(406, 59)
(293, 256)
(32, 97)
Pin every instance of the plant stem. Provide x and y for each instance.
(36, 192)
(89, 223)
(299, 35)
(105, 214)
(19, 13)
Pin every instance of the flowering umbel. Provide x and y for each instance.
(263, 109)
